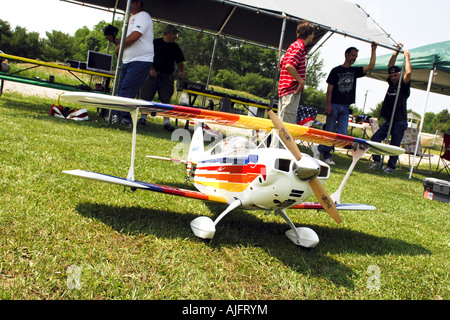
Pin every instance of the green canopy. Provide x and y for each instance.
(423, 59)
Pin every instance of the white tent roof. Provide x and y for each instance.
(335, 15)
(260, 21)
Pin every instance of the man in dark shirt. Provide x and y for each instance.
(400, 121)
(168, 55)
(341, 93)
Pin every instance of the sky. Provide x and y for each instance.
(414, 23)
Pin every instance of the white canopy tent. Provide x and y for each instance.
(269, 23)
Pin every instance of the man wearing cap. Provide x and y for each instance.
(400, 122)
(137, 55)
(168, 56)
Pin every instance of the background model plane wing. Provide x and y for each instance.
(229, 119)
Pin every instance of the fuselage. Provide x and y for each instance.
(260, 177)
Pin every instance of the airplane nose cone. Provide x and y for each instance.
(307, 168)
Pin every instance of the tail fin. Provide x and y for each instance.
(196, 149)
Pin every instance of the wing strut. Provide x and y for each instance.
(357, 151)
(134, 118)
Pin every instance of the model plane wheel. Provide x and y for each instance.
(308, 237)
(203, 227)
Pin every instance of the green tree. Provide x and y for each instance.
(256, 84)
(59, 46)
(314, 74)
(428, 122)
(24, 44)
(442, 122)
(5, 36)
(246, 58)
(311, 97)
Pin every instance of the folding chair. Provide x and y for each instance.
(445, 155)
(374, 126)
(409, 144)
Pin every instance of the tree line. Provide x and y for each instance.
(237, 65)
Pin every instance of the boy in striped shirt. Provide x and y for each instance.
(293, 73)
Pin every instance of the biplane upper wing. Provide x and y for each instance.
(229, 119)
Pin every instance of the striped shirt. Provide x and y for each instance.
(295, 56)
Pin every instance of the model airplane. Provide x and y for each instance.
(240, 172)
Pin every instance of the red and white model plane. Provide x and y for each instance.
(236, 171)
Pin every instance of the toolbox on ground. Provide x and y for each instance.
(436, 189)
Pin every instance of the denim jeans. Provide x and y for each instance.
(337, 121)
(397, 131)
(132, 77)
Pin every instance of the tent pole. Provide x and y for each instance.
(113, 17)
(119, 57)
(430, 80)
(122, 45)
(280, 48)
(216, 40)
(399, 86)
(211, 63)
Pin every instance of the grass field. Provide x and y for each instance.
(67, 238)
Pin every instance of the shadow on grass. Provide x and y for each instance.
(242, 228)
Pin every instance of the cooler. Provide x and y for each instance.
(436, 189)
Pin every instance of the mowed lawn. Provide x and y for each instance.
(64, 237)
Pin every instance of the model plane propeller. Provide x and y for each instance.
(239, 172)
(320, 192)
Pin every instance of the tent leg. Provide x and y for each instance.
(430, 80)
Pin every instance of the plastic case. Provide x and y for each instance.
(435, 189)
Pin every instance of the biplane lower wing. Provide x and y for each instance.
(145, 185)
(339, 206)
(195, 194)
(229, 119)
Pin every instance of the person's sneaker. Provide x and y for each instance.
(169, 127)
(315, 150)
(388, 170)
(375, 166)
(115, 119)
(329, 162)
(126, 122)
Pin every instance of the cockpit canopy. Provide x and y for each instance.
(234, 144)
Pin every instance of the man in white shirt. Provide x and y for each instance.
(137, 55)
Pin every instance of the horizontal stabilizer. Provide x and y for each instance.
(339, 206)
(169, 159)
(145, 185)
